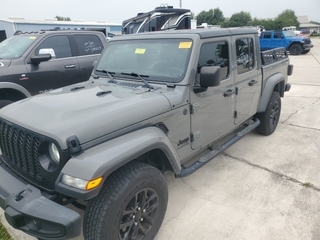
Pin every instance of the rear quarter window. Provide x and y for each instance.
(88, 44)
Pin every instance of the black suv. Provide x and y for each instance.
(37, 62)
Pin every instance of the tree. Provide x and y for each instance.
(268, 24)
(212, 17)
(59, 18)
(239, 20)
(285, 19)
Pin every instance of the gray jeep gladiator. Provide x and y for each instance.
(156, 102)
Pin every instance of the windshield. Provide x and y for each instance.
(289, 33)
(15, 46)
(157, 60)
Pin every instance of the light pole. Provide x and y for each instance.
(180, 3)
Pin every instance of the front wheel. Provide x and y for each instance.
(295, 49)
(131, 205)
(270, 118)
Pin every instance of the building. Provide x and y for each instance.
(306, 25)
(11, 25)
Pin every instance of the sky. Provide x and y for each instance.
(115, 11)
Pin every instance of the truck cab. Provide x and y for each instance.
(32, 63)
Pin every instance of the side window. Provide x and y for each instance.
(59, 44)
(267, 35)
(215, 54)
(245, 55)
(88, 44)
(277, 35)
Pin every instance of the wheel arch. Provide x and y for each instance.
(149, 145)
(13, 92)
(294, 42)
(275, 83)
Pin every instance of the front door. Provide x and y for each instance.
(61, 70)
(212, 110)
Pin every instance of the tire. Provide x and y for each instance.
(131, 205)
(4, 103)
(305, 51)
(270, 118)
(295, 49)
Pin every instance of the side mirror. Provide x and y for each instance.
(209, 77)
(47, 51)
(45, 54)
(40, 58)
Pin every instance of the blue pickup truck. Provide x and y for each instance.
(294, 44)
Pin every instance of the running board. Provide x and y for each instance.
(204, 159)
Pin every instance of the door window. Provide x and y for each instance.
(59, 44)
(88, 44)
(245, 55)
(215, 54)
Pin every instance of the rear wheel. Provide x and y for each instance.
(295, 49)
(131, 205)
(270, 118)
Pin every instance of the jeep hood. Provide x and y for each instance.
(89, 112)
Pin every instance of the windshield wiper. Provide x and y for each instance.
(141, 77)
(110, 75)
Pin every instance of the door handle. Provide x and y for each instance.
(70, 66)
(252, 82)
(228, 93)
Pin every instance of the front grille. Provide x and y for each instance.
(21, 149)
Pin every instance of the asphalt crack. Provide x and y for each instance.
(283, 176)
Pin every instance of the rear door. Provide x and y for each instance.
(278, 40)
(60, 71)
(247, 77)
(212, 110)
(88, 48)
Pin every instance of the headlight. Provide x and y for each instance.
(80, 183)
(54, 153)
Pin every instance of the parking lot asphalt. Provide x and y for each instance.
(261, 188)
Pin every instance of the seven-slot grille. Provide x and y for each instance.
(20, 150)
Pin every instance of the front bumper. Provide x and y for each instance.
(29, 210)
(307, 46)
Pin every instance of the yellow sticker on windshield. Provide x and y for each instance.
(140, 51)
(32, 38)
(185, 44)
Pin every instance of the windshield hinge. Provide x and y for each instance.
(235, 114)
(194, 107)
(194, 136)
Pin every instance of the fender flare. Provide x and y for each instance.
(107, 157)
(15, 87)
(271, 82)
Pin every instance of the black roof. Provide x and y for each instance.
(43, 31)
(203, 33)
